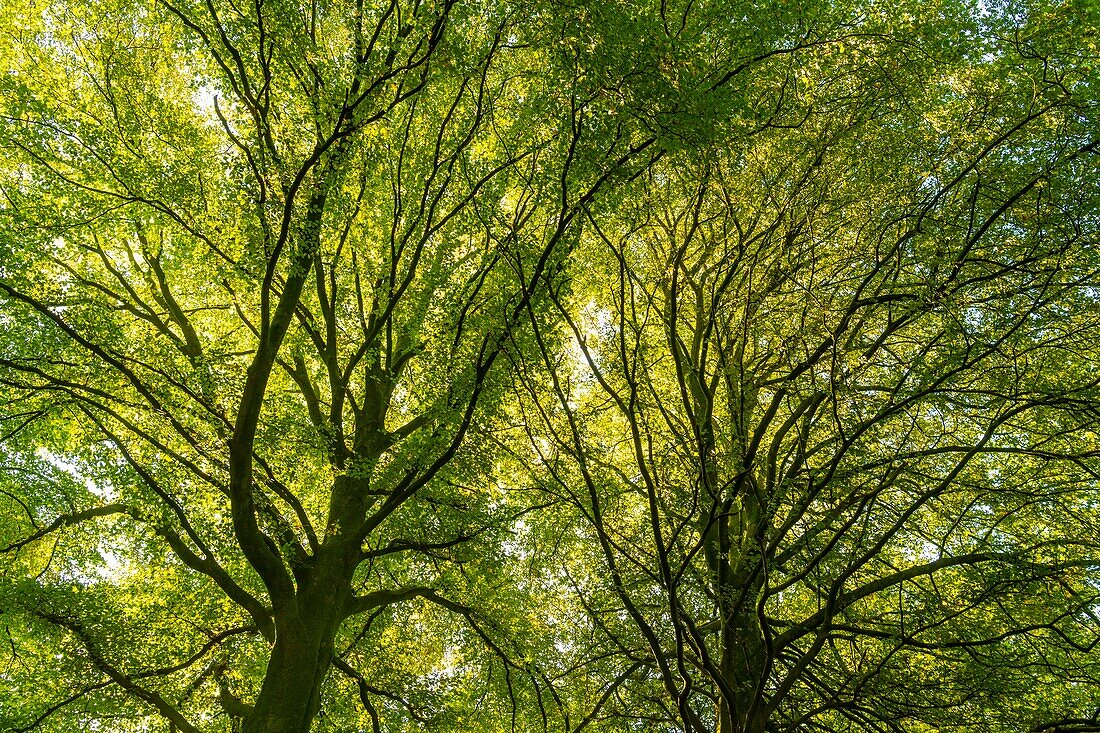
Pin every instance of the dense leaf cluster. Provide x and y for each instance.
(712, 366)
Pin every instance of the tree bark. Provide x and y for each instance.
(742, 641)
(306, 628)
(290, 697)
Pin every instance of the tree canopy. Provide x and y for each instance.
(711, 366)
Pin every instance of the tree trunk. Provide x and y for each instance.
(290, 697)
(742, 662)
(301, 657)
(743, 654)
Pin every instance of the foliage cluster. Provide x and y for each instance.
(702, 365)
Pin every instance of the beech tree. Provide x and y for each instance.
(705, 366)
(259, 263)
(823, 404)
